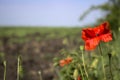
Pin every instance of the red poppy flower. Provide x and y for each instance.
(65, 61)
(93, 36)
(68, 59)
(62, 63)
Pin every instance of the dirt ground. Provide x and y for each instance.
(36, 56)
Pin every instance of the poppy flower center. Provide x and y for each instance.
(97, 34)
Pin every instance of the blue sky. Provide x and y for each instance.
(47, 12)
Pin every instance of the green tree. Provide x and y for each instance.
(112, 10)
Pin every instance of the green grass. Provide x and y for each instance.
(22, 31)
(24, 34)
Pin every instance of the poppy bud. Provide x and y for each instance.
(81, 47)
(4, 63)
(94, 63)
(75, 74)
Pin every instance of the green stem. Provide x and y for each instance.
(110, 67)
(39, 72)
(81, 73)
(18, 64)
(58, 74)
(84, 65)
(4, 70)
(102, 59)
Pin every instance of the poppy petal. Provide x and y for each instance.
(79, 78)
(92, 43)
(105, 24)
(106, 37)
(68, 60)
(88, 34)
(102, 28)
(62, 63)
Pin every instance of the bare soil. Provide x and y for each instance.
(36, 56)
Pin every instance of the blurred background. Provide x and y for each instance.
(39, 29)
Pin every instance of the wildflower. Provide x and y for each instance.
(62, 63)
(68, 59)
(65, 61)
(93, 36)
